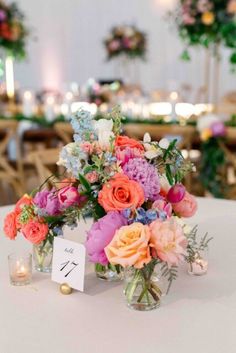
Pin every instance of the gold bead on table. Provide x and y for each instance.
(65, 289)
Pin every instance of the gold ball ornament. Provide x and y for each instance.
(208, 18)
(65, 289)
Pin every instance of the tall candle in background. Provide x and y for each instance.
(50, 108)
(28, 106)
(10, 86)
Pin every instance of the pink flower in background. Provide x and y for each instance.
(9, 227)
(35, 231)
(188, 19)
(114, 45)
(168, 241)
(163, 206)
(92, 177)
(187, 207)
(101, 234)
(204, 5)
(127, 43)
(124, 155)
(68, 196)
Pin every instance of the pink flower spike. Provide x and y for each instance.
(176, 193)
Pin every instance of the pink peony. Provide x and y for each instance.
(10, 228)
(101, 234)
(35, 231)
(68, 196)
(168, 241)
(187, 207)
(163, 206)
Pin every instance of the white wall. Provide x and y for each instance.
(69, 45)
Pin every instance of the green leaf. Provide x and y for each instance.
(84, 182)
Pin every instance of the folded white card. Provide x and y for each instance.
(68, 264)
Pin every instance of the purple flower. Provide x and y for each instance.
(101, 234)
(47, 201)
(3, 15)
(145, 174)
(218, 129)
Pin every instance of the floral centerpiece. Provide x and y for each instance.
(207, 23)
(41, 216)
(135, 195)
(13, 32)
(125, 40)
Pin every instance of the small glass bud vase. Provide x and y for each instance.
(109, 272)
(199, 264)
(141, 289)
(42, 255)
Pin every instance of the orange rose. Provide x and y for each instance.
(120, 193)
(35, 231)
(124, 141)
(10, 225)
(129, 246)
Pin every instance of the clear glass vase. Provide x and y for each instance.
(199, 265)
(109, 272)
(141, 289)
(42, 255)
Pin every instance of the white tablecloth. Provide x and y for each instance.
(198, 316)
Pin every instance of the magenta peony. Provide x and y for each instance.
(176, 193)
(101, 234)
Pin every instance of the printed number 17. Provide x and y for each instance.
(65, 264)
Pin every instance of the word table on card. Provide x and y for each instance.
(68, 264)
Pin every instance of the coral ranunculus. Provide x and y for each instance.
(130, 246)
(9, 227)
(35, 231)
(120, 193)
(124, 141)
(168, 241)
(187, 207)
(25, 200)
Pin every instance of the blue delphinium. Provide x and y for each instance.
(83, 126)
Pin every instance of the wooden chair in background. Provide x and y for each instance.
(10, 172)
(64, 132)
(44, 162)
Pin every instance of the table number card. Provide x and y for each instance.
(68, 264)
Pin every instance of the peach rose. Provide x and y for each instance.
(9, 227)
(25, 200)
(120, 193)
(187, 207)
(35, 231)
(129, 246)
(168, 241)
(124, 141)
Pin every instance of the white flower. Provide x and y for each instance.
(164, 143)
(103, 128)
(205, 121)
(147, 138)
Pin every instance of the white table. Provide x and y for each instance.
(198, 316)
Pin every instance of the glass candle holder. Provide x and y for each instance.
(199, 266)
(20, 269)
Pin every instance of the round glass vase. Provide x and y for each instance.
(42, 255)
(141, 288)
(198, 265)
(109, 272)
